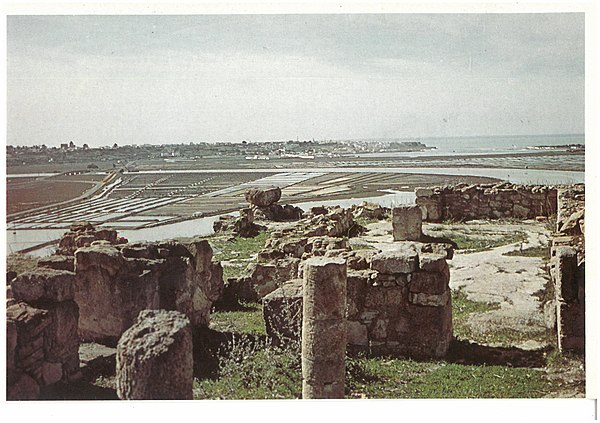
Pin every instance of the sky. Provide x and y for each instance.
(141, 79)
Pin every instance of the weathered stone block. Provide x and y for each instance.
(61, 339)
(44, 284)
(433, 300)
(25, 388)
(357, 333)
(29, 321)
(51, 373)
(11, 347)
(565, 268)
(356, 286)
(324, 330)
(263, 197)
(58, 263)
(327, 300)
(282, 312)
(432, 262)
(154, 357)
(403, 259)
(407, 223)
(430, 282)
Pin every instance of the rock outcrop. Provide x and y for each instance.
(263, 197)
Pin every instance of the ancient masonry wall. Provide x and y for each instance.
(568, 269)
(115, 283)
(398, 302)
(42, 342)
(486, 201)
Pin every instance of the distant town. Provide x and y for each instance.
(72, 153)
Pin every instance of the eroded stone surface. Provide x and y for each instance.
(154, 357)
(324, 328)
(114, 284)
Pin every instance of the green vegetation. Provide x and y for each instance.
(356, 247)
(20, 263)
(248, 320)
(252, 372)
(398, 378)
(269, 373)
(364, 221)
(462, 308)
(237, 248)
(233, 270)
(541, 251)
(478, 242)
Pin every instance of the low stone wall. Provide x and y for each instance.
(486, 201)
(114, 283)
(42, 342)
(568, 269)
(398, 303)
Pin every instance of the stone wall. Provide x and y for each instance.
(114, 283)
(42, 342)
(319, 234)
(486, 201)
(398, 302)
(82, 234)
(568, 269)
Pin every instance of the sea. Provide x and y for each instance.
(483, 145)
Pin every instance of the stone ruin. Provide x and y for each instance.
(264, 206)
(149, 297)
(320, 233)
(324, 328)
(50, 310)
(154, 358)
(486, 201)
(122, 282)
(398, 302)
(41, 322)
(567, 266)
(82, 234)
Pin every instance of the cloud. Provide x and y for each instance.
(168, 79)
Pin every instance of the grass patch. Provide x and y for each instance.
(248, 320)
(398, 378)
(541, 251)
(462, 308)
(356, 247)
(507, 337)
(20, 263)
(269, 373)
(233, 270)
(238, 247)
(479, 242)
(254, 373)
